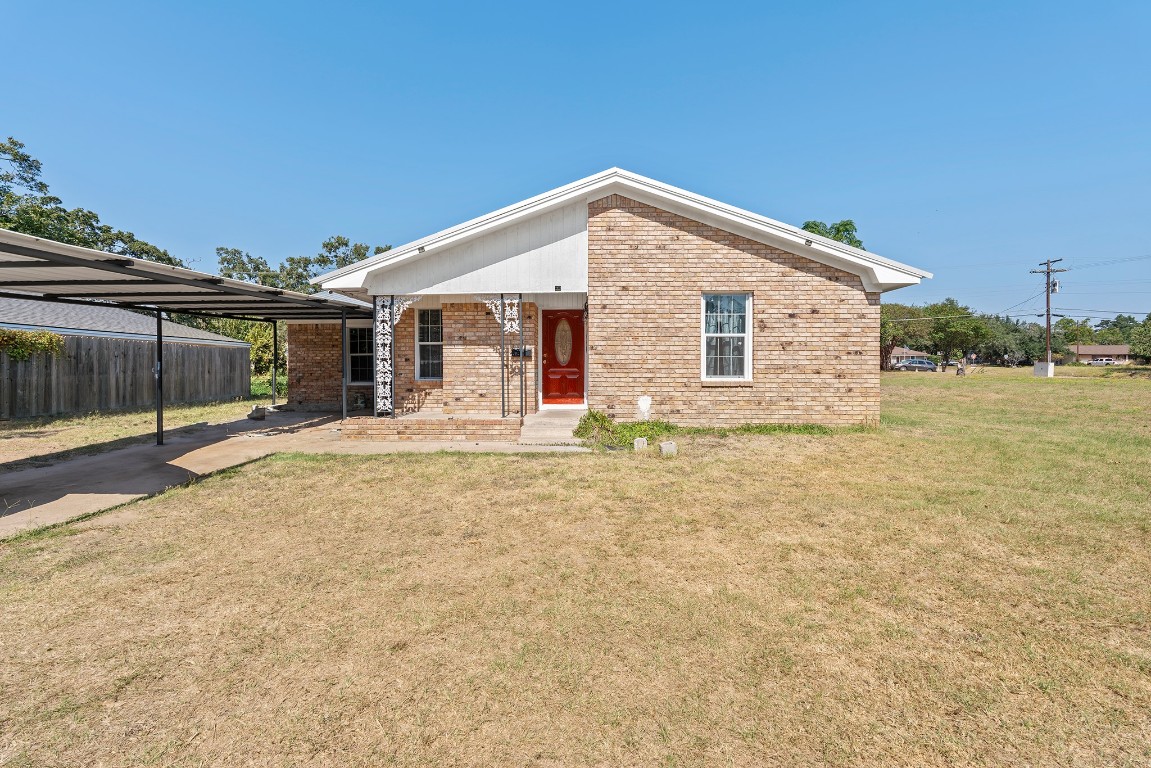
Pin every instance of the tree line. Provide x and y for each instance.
(27, 205)
(950, 330)
(947, 328)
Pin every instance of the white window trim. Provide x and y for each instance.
(747, 347)
(370, 354)
(417, 343)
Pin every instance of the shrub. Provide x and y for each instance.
(600, 430)
(21, 345)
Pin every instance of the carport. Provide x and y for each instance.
(45, 270)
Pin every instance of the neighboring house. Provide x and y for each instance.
(109, 359)
(622, 288)
(1085, 353)
(899, 354)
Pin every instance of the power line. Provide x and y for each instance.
(952, 317)
(1104, 311)
(1109, 262)
(1013, 306)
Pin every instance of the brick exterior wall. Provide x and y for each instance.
(471, 381)
(412, 394)
(314, 367)
(415, 428)
(472, 360)
(815, 331)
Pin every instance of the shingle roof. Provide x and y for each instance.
(1102, 349)
(94, 320)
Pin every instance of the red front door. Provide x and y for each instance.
(562, 350)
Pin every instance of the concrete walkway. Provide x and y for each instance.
(554, 427)
(38, 496)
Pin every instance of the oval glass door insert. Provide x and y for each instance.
(563, 342)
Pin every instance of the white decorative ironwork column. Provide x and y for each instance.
(386, 315)
(506, 311)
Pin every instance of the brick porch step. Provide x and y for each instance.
(433, 428)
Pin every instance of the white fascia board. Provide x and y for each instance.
(876, 272)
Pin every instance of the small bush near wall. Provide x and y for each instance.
(600, 431)
(21, 345)
(262, 384)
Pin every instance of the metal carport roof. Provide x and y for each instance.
(45, 270)
(35, 268)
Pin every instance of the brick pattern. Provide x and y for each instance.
(815, 330)
(413, 395)
(471, 383)
(472, 360)
(412, 428)
(314, 367)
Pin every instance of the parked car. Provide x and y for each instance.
(916, 364)
(1103, 361)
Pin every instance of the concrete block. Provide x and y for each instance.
(1045, 370)
(640, 444)
(668, 449)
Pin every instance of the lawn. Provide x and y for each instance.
(54, 438)
(968, 584)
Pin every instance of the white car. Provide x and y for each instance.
(1103, 361)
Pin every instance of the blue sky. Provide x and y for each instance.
(971, 139)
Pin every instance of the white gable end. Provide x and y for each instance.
(537, 244)
(533, 255)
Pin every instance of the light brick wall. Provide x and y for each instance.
(412, 394)
(472, 360)
(471, 364)
(314, 367)
(815, 331)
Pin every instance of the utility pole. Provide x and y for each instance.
(1048, 272)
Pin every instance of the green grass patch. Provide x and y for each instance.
(599, 430)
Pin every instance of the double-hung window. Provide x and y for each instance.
(726, 336)
(430, 344)
(360, 362)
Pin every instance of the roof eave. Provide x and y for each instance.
(877, 272)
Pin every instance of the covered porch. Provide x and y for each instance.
(448, 366)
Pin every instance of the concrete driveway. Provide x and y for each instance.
(38, 496)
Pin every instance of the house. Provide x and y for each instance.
(108, 361)
(1085, 353)
(899, 354)
(600, 294)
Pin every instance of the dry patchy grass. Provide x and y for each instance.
(966, 585)
(22, 439)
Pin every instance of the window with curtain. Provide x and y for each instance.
(726, 339)
(360, 363)
(430, 344)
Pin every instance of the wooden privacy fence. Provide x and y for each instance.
(106, 374)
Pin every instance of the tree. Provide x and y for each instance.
(235, 264)
(1071, 331)
(954, 329)
(842, 231)
(1012, 342)
(295, 274)
(900, 325)
(1141, 339)
(1117, 330)
(26, 206)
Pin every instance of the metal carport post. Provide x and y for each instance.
(159, 371)
(34, 268)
